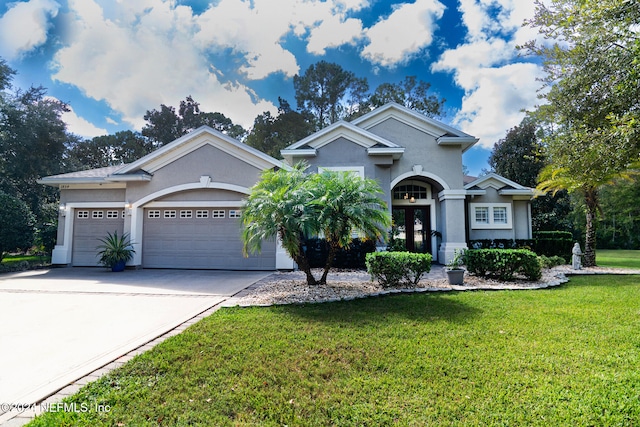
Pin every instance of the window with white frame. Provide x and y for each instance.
(113, 214)
(169, 214)
(202, 214)
(83, 214)
(235, 213)
(153, 214)
(500, 215)
(217, 213)
(490, 215)
(356, 170)
(186, 214)
(97, 215)
(482, 214)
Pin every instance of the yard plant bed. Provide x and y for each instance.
(566, 355)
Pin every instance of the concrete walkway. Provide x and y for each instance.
(59, 325)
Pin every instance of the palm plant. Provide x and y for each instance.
(115, 250)
(277, 206)
(345, 205)
(293, 206)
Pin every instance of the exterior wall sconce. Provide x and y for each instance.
(127, 208)
(412, 199)
(63, 210)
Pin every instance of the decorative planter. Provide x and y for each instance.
(456, 277)
(119, 266)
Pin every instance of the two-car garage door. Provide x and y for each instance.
(199, 238)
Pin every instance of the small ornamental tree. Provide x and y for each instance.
(16, 225)
(294, 206)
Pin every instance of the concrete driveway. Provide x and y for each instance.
(61, 324)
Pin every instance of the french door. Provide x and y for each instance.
(414, 225)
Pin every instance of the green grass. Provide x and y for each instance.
(618, 258)
(8, 259)
(566, 356)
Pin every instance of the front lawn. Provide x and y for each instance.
(565, 356)
(618, 258)
(23, 262)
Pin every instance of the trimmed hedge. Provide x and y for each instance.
(553, 243)
(548, 243)
(503, 264)
(397, 268)
(502, 244)
(317, 251)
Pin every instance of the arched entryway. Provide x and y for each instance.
(413, 212)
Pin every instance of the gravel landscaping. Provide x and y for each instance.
(291, 287)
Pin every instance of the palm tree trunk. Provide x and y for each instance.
(333, 250)
(303, 264)
(591, 200)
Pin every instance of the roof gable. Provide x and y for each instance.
(192, 141)
(444, 134)
(503, 185)
(341, 129)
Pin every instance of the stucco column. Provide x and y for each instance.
(133, 226)
(453, 223)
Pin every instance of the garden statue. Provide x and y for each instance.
(577, 257)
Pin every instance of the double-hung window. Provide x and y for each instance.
(490, 215)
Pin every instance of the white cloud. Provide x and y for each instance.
(143, 58)
(497, 88)
(333, 32)
(79, 126)
(404, 33)
(495, 98)
(24, 27)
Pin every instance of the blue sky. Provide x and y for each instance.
(113, 60)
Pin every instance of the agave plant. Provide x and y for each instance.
(115, 251)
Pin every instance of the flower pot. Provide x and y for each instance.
(456, 277)
(119, 266)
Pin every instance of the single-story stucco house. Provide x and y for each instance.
(181, 203)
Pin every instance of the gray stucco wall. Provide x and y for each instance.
(203, 194)
(521, 219)
(519, 212)
(422, 149)
(206, 160)
(93, 195)
(345, 153)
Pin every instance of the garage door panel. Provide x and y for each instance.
(199, 243)
(87, 230)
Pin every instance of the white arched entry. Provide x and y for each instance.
(414, 215)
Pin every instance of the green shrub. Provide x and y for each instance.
(503, 264)
(397, 268)
(352, 256)
(553, 243)
(550, 262)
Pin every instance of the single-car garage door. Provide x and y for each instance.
(89, 225)
(199, 238)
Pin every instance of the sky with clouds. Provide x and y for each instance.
(112, 60)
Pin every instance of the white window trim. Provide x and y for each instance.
(218, 213)
(201, 213)
(153, 214)
(169, 214)
(491, 225)
(356, 169)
